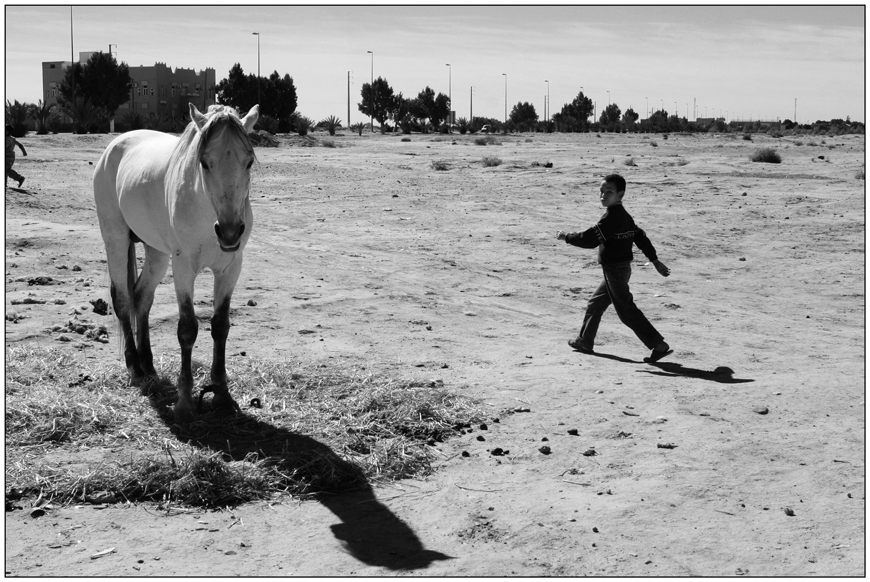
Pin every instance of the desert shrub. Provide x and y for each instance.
(629, 162)
(653, 143)
(486, 140)
(440, 166)
(328, 143)
(798, 143)
(747, 137)
(859, 175)
(491, 161)
(406, 139)
(766, 155)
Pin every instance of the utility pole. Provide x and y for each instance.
(471, 107)
(795, 109)
(372, 94)
(348, 98)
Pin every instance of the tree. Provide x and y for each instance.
(524, 116)
(41, 114)
(101, 81)
(235, 90)
(377, 102)
(17, 115)
(276, 95)
(575, 115)
(610, 117)
(629, 118)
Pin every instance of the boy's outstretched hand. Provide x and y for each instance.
(661, 268)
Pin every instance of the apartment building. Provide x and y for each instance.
(158, 92)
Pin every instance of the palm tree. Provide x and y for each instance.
(17, 115)
(85, 116)
(332, 123)
(42, 114)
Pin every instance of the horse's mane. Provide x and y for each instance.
(192, 143)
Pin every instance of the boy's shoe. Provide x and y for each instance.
(657, 355)
(579, 347)
(20, 182)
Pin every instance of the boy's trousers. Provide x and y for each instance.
(614, 289)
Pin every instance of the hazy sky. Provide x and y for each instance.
(743, 60)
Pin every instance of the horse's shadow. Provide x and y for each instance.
(369, 531)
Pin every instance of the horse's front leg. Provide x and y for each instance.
(188, 328)
(224, 283)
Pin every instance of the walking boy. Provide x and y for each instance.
(614, 236)
(11, 142)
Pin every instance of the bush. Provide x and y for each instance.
(267, 123)
(486, 140)
(440, 166)
(859, 175)
(491, 161)
(406, 139)
(747, 137)
(766, 155)
(328, 143)
(653, 143)
(17, 115)
(629, 162)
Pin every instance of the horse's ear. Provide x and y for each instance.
(195, 116)
(251, 118)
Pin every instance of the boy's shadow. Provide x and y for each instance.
(722, 374)
(369, 531)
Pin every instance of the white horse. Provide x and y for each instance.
(184, 198)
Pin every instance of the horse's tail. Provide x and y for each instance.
(132, 274)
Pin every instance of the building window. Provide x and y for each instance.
(173, 91)
(152, 91)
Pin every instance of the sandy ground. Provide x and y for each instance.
(457, 275)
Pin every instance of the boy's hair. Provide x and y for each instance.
(617, 181)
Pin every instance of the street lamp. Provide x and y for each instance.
(547, 108)
(258, 65)
(372, 94)
(449, 95)
(505, 98)
(647, 107)
(608, 98)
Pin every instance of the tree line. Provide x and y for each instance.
(91, 93)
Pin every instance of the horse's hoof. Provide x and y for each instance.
(223, 400)
(183, 414)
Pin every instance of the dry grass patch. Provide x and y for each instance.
(76, 432)
(491, 161)
(486, 140)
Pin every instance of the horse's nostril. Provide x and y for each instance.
(241, 229)
(217, 229)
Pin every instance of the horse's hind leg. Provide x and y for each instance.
(224, 283)
(121, 259)
(153, 270)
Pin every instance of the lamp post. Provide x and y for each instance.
(258, 65)
(505, 98)
(449, 95)
(608, 98)
(372, 94)
(547, 108)
(647, 107)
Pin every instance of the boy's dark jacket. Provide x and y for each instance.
(614, 235)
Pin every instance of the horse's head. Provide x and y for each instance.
(225, 159)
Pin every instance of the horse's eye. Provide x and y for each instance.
(251, 163)
(203, 164)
